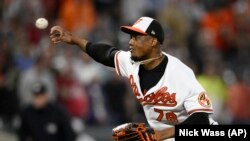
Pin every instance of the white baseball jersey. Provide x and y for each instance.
(176, 96)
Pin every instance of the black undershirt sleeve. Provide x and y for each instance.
(197, 118)
(102, 53)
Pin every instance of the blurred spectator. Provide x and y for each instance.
(131, 10)
(174, 18)
(39, 72)
(77, 15)
(44, 121)
(115, 90)
(24, 59)
(79, 89)
(104, 30)
(216, 88)
(83, 65)
(98, 113)
(8, 76)
(71, 93)
(91, 75)
(218, 28)
(240, 58)
(51, 9)
(238, 100)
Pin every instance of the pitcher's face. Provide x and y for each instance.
(140, 47)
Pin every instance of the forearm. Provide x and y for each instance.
(81, 43)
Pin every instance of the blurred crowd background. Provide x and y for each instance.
(210, 36)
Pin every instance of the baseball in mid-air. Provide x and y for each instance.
(42, 23)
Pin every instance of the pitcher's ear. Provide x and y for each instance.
(154, 42)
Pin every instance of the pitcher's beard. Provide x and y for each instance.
(136, 59)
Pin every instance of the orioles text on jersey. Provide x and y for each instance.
(160, 98)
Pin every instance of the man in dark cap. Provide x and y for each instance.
(43, 120)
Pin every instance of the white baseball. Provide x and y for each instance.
(41, 23)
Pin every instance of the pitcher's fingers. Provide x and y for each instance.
(56, 40)
(56, 30)
(55, 35)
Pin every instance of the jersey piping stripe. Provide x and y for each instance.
(117, 63)
(158, 104)
(197, 110)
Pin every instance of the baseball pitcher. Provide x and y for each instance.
(165, 87)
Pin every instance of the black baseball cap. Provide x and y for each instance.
(38, 88)
(146, 26)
